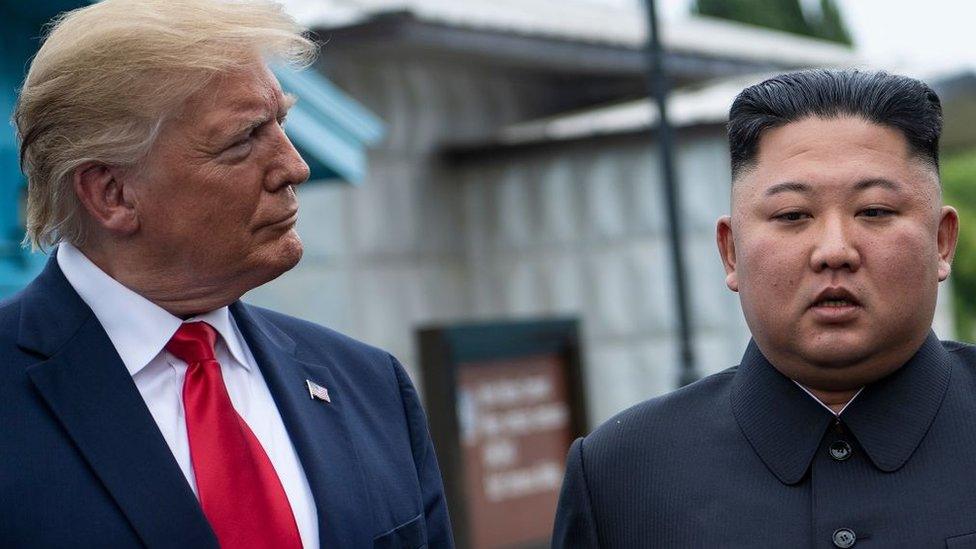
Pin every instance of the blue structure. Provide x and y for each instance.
(331, 130)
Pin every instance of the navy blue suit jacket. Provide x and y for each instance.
(83, 464)
(744, 458)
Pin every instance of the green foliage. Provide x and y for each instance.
(831, 25)
(959, 190)
(784, 15)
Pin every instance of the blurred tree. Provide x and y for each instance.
(784, 15)
(959, 190)
(831, 25)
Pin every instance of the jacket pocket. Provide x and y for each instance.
(409, 535)
(965, 541)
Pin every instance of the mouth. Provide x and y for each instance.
(836, 304)
(285, 222)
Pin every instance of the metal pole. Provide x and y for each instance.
(658, 85)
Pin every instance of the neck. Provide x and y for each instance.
(177, 290)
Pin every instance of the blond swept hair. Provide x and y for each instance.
(109, 75)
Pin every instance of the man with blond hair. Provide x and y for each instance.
(141, 403)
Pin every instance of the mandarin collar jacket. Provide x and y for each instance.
(888, 419)
(745, 458)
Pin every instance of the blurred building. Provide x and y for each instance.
(519, 179)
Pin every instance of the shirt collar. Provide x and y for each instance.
(889, 418)
(138, 328)
(828, 408)
(223, 322)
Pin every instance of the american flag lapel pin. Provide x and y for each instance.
(316, 391)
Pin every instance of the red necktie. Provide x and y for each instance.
(239, 490)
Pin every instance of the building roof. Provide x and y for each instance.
(586, 22)
(707, 104)
(701, 105)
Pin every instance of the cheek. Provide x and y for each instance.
(768, 271)
(904, 262)
(769, 264)
(226, 201)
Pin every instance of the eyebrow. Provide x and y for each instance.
(287, 101)
(860, 186)
(877, 182)
(789, 186)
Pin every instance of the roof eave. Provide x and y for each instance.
(400, 31)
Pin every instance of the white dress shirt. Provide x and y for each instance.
(139, 330)
(820, 402)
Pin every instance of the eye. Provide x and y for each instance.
(240, 144)
(792, 217)
(876, 212)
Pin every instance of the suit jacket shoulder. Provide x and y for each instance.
(616, 475)
(314, 343)
(387, 426)
(664, 420)
(315, 336)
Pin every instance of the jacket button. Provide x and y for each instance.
(840, 450)
(844, 538)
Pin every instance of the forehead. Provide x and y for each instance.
(843, 136)
(250, 91)
(828, 153)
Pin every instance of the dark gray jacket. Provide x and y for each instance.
(744, 458)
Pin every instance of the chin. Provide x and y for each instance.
(836, 348)
(288, 254)
(291, 249)
(277, 259)
(834, 358)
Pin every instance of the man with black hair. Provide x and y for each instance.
(847, 421)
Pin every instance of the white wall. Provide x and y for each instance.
(581, 230)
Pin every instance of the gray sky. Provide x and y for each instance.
(929, 34)
(920, 37)
(913, 36)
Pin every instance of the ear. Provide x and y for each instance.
(948, 236)
(102, 191)
(726, 250)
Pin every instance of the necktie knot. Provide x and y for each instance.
(193, 342)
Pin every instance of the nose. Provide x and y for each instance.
(834, 248)
(288, 166)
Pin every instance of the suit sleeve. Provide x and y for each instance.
(439, 534)
(575, 526)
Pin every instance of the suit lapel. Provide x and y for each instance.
(88, 389)
(318, 430)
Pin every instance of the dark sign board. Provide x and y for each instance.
(505, 401)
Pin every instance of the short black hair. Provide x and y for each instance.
(899, 102)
